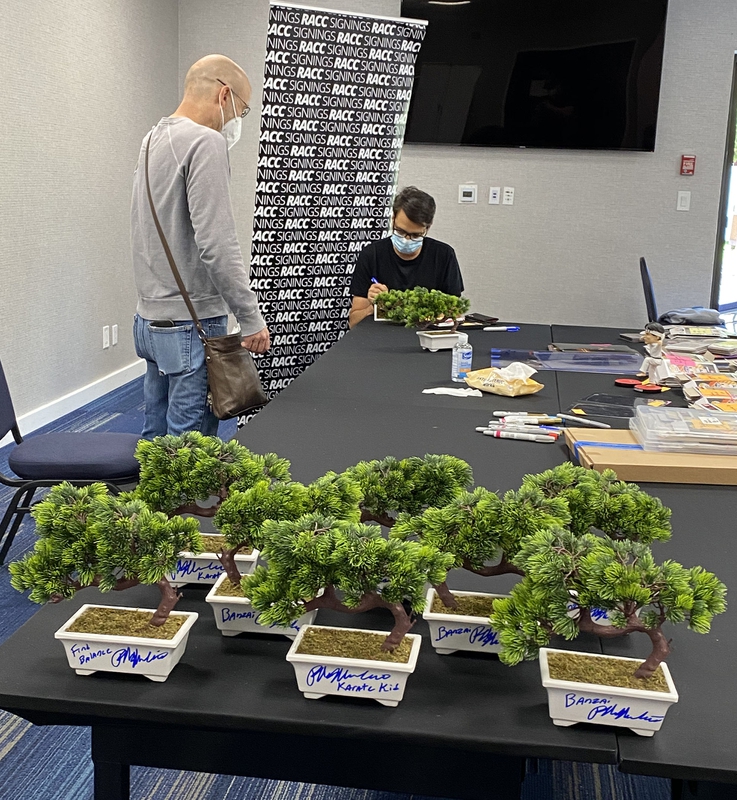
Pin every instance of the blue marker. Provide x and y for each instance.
(373, 280)
(503, 328)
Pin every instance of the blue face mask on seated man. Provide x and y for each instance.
(406, 246)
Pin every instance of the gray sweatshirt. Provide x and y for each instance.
(190, 175)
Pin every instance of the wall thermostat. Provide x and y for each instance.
(467, 193)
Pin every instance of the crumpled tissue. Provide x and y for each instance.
(454, 392)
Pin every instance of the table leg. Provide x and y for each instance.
(112, 778)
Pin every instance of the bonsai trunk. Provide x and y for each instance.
(403, 622)
(382, 519)
(660, 650)
(504, 567)
(196, 510)
(169, 598)
(444, 593)
(227, 559)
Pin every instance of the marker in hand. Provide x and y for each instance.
(375, 290)
(502, 328)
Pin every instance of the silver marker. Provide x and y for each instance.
(586, 422)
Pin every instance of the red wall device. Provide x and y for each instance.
(688, 165)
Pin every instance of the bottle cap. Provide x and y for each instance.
(462, 338)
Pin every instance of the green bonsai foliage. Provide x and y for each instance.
(242, 515)
(618, 509)
(481, 531)
(90, 538)
(576, 485)
(335, 495)
(621, 577)
(420, 307)
(623, 511)
(319, 562)
(391, 486)
(177, 471)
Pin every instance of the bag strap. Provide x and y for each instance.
(169, 256)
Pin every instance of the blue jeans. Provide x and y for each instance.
(175, 385)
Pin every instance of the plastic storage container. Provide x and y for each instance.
(685, 430)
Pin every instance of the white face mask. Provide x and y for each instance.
(231, 129)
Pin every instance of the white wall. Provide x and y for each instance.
(568, 250)
(84, 79)
(82, 82)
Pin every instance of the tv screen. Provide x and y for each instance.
(582, 74)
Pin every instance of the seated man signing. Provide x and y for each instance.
(406, 259)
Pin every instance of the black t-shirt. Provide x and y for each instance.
(436, 267)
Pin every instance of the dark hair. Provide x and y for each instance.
(416, 204)
(655, 327)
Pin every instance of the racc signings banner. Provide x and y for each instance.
(337, 87)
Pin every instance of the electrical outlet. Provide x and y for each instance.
(508, 196)
(494, 195)
(105, 337)
(115, 335)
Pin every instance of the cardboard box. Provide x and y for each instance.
(598, 450)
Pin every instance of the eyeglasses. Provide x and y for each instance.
(414, 237)
(246, 107)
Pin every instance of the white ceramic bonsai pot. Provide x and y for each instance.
(640, 710)
(133, 655)
(437, 340)
(205, 568)
(234, 615)
(383, 681)
(451, 632)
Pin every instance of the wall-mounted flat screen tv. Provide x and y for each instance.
(581, 74)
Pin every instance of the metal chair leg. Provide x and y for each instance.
(18, 508)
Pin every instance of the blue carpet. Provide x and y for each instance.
(53, 763)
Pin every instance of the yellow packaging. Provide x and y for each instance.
(507, 382)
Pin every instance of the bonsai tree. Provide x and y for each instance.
(623, 511)
(392, 486)
(320, 562)
(90, 538)
(599, 500)
(420, 307)
(482, 531)
(622, 577)
(576, 485)
(243, 514)
(179, 471)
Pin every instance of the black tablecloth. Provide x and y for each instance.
(364, 400)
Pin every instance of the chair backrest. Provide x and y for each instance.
(647, 287)
(7, 412)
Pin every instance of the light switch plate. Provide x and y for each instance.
(467, 193)
(684, 201)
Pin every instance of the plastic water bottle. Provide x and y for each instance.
(462, 359)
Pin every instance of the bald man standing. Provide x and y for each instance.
(189, 172)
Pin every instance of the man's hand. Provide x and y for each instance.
(258, 342)
(375, 290)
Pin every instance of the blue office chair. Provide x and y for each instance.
(50, 458)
